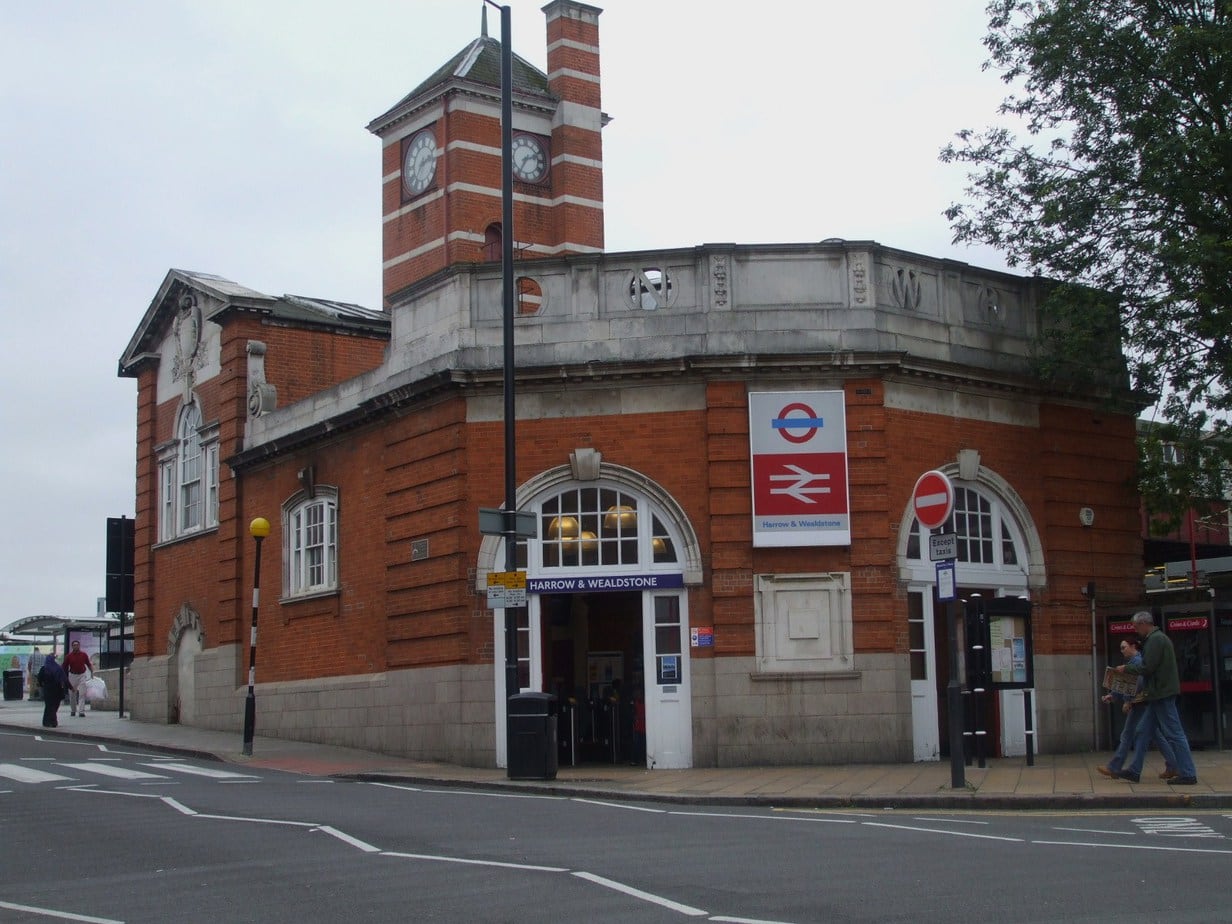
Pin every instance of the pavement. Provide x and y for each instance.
(1061, 781)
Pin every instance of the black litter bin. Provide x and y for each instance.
(532, 736)
(13, 684)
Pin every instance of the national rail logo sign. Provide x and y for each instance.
(798, 443)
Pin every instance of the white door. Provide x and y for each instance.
(669, 705)
(925, 731)
(186, 675)
(530, 664)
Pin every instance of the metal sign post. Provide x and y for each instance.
(932, 499)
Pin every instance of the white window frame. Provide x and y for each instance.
(1003, 528)
(183, 511)
(305, 574)
(593, 527)
(190, 517)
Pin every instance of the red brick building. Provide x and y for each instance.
(718, 445)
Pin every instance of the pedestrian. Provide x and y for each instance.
(639, 728)
(1133, 706)
(54, 684)
(1161, 689)
(80, 669)
(32, 668)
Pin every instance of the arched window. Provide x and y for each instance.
(188, 477)
(190, 487)
(310, 543)
(492, 241)
(595, 527)
(987, 537)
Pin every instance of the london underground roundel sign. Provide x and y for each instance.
(933, 499)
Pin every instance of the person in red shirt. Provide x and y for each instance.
(79, 669)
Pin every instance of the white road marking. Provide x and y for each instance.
(19, 774)
(62, 915)
(1130, 847)
(644, 896)
(347, 839)
(395, 786)
(1175, 826)
(469, 862)
(202, 771)
(122, 773)
(1097, 831)
(952, 821)
(986, 837)
(178, 806)
(815, 811)
(742, 815)
(617, 805)
(262, 821)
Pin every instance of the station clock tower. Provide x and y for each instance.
(441, 156)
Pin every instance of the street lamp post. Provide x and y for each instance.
(259, 528)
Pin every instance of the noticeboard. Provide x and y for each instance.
(1000, 651)
(1009, 643)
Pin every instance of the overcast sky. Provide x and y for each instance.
(227, 136)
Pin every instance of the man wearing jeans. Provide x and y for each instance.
(1134, 708)
(1162, 687)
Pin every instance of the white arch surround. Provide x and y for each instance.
(607, 474)
(994, 484)
(668, 705)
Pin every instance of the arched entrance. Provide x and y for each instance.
(999, 555)
(607, 611)
(184, 644)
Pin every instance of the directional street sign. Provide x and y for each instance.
(506, 590)
(492, 522)
(933, 499)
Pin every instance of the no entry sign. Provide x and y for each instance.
(933, 499)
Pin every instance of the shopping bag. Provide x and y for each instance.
(95, 690)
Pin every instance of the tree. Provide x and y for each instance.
(1122, 191)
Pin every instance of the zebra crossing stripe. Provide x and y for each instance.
(20, 774)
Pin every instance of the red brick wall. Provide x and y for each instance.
(212, 571)
(560, 226)
(423, 476)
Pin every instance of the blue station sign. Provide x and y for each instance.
(602, 583)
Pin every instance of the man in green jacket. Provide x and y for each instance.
(1162, 687)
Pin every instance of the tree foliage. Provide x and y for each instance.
(1122, 186)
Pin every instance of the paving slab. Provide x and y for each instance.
(1065, 781)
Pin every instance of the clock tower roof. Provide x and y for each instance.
(476, 65)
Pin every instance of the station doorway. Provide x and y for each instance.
(593, 661)
(598, 652)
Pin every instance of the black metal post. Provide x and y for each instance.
(954, 703)
(125, 584)
(1029, 728)
(123, 623)
(250, 704)
(507, 306)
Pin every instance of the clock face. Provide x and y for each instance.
(419, 165)
(530, 158)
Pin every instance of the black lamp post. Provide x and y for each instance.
(259, 528)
